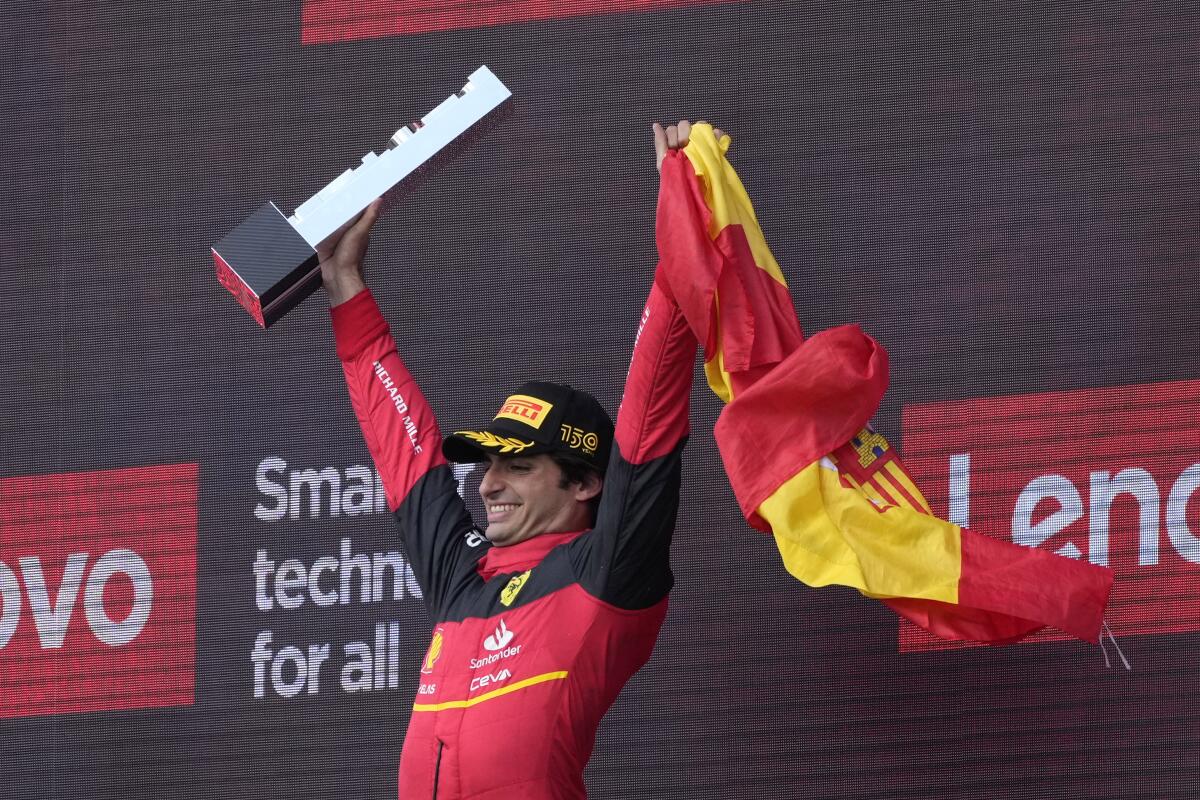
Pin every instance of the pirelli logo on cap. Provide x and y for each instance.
(523, 408)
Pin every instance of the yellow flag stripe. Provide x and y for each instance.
(726, 197)
(828, 534)
(548, 676)
(719, 379)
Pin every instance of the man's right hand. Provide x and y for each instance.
(674, 137)
(341, 255)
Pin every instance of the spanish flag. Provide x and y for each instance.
(797, 444)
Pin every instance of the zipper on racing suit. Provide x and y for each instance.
(437, 768)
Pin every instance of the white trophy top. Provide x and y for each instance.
(411, 147)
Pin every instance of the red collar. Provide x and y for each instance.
(522, 555)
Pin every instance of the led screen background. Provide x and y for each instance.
(1006, 200)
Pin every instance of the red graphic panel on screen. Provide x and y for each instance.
(324, 21)
(98, 590)
(1110, 475)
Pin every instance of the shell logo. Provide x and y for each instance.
(434, 652)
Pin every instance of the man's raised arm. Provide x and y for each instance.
(397, 423)
(639, 506)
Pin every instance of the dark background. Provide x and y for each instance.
(1006, 199)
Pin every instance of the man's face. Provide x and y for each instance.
(524, 497)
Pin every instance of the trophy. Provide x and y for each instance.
(269, 262)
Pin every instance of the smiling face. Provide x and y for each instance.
(526, 496)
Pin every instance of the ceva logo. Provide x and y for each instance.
(1108, 475)
(97, 590)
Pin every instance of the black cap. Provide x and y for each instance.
(539, 417)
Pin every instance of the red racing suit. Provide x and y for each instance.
(532, 642)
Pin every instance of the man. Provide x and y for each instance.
(541, 619)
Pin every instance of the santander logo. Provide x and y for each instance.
(499, 638)
(1109, 475)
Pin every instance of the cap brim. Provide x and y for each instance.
(469, 447)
